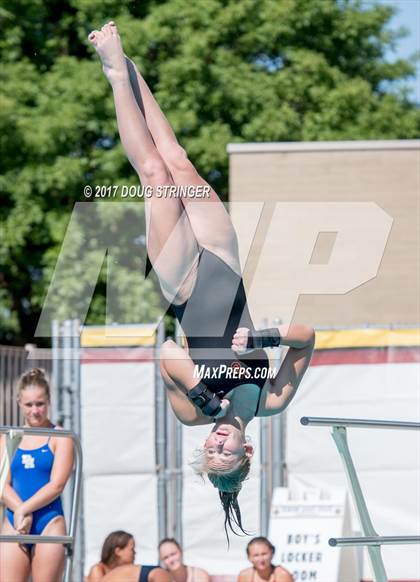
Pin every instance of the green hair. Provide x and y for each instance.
(228, 481)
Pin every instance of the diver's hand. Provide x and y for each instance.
(22, 522)
(26, 525)
(224, 405)
(240, 341)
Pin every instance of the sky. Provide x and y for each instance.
(408, 16)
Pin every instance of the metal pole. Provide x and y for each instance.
(179, 482)
(170, 472)
(67, 404)
(54, 366)
(75, 375)
(374, 541)
(12, 444)
(277, 451)
(279, 431)
(264, 466)
(56, 369)
(359, 423)
(278, 427)
(178, 463)
(66, 396)
(160, 414)
(264, 508)
(340, 437)
(79, 552)
(32, 539)
(37, 431)
(75, 507)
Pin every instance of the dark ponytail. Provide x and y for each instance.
(233, 518)
(228, 481)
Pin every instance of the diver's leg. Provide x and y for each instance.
(172, 247)
(48, 559)
(15, 563)
(209, 219)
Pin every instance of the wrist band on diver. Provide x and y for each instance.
(205, 399)
(265, 338)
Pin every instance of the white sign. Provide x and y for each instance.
(300, 529)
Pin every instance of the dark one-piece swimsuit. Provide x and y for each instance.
(209, 318)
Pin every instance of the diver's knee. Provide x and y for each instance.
(167, 347)
(177, 159)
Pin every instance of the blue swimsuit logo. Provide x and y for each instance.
(28, 461)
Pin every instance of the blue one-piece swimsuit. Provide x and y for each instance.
(30, 471)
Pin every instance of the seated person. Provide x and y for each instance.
(170, 555)
(118, 550)
(117, 565)
(260, 552)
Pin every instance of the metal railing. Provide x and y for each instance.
(66, 409)
(370, 539)
(15, 434)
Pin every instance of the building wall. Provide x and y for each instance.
(386, 173)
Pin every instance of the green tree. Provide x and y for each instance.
(223, 71)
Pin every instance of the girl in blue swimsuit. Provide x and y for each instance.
(38, 474)
(221, 375)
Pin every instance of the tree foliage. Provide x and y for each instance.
(222, 70)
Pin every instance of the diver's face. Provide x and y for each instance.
(170, 556)
(260, 555)
(34, 404)
(225, 446)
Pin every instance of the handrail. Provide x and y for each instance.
(358, 422)
(370, 539)
(69, 540)
(374, 541)
(39, 431)
(36, 539)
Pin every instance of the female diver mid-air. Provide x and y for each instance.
(193, 249)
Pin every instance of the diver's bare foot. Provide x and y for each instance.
(107, 43)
